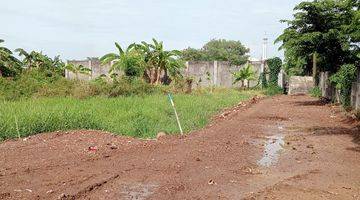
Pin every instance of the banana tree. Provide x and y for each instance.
(158, 60)
(129, 60)
(28, 57)
(9, 65)
(246, 73)
(77, 69)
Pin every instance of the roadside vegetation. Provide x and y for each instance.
(324, 36)
(35, 97)
(139, 116)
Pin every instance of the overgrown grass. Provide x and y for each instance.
(135, 116)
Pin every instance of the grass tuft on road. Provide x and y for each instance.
(136, 116)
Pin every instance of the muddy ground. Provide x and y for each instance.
(285, 147)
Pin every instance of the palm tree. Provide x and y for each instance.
(246, 73)
(130, 61)
(78, 69)
(8, 63)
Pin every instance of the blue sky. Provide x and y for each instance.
(76, 29)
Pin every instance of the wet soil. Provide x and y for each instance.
(284, 147)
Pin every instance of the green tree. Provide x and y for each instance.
(343, 80)
(218, 50)
(328, 28)
(129, 60)
(41, 62)
(246, 73)
(191, 54)
(9, 65)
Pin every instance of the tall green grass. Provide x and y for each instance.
(135, 116)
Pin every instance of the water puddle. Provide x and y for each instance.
(273, 147)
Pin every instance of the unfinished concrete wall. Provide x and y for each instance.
(300, 84)
(355, 93)
(71, 75)
(204, 73)
(201, 72)
(94, 64)
(328, 90)
(215, 73)
(281, 78)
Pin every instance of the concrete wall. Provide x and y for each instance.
(204, 73)
(217, 73)
(300, 84)
(94, 64)
(355, 93)
(328, 90)
(281, 78)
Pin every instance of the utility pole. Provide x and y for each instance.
(264, 54)
(263, 62)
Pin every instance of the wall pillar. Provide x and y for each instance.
(281, 78)
(215, 78)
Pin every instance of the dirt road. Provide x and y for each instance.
(285, 147)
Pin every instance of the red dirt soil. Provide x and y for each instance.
(320, 159)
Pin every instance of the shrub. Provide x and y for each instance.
(315, 92)
(275, 67)
(130, 86)
(343, 80)
(262, 79)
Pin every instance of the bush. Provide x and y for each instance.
(343, 80)
(130, 86)
(275, 67)
(262, 78)
(315, 92)
(25, 85)
(35, 84)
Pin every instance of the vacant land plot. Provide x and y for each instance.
(134, 116)
(278, 148)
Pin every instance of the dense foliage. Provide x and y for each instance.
(329, 28)
(149, 61)
(343, 80)
(218, 50)
(315, 92)
(9, 64)
(274, 65)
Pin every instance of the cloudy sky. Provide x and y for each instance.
(76, 29)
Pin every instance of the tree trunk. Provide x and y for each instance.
(147, 75)
(0, 73)
(152, 75)
(314, 72)
(158, 75)
(242, 83)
